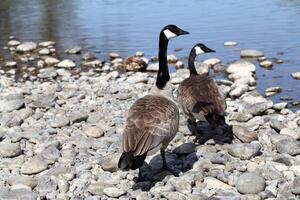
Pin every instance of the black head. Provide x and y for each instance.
(201, 48)
(172, 31)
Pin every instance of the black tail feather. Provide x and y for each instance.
(129, 161)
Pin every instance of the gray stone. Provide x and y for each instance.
(51, 61)
(212, 61)
(238, 91)
(181, 185)
(17, 194)
(251, 53)
(67, 63)
(280, 106)
(97, 188)
(10, 63)
(8, 149)
(33, 166)
(239, 116)
(266, 64)
(294, 133)
(88, 56)
(73, 50)
(13, 43)
(226, 195)
(8, 105)
(172, 59)
(257, 108)
(272, 91)
(114, 192)
(152, 67)
(26, 46)
(50, 154)
(44, 51)
(250, 183)
(47, 73)
(296, 185)
(289, 146)
(59, 121)
(24, 180)
(185, 148)
(46, 185)
(244, 151)
(243, 134)
(93, 131)
(47, 43)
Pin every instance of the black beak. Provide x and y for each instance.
(209, 50)
(182, 32)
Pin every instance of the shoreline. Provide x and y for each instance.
(60, 135)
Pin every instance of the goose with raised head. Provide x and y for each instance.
(152, 120)
(200, 97)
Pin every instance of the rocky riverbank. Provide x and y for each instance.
(60, 132)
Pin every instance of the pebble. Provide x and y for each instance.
(114, 192)
(26, 47)
(13, 43)
(114, 55)
(44, 51)
(289, 146)
(273, 91)
(280, 106)
(47, 43)
(240, 66)
(51, 61)
(244, 151)
(93, 132)
(34, 165)
(230, 43)
(88, 56)
(251, 53)
(296, 185)
(153, 67)
(74, 50)
(243, 134)
(266, 64)
(67, 63)
(172, 59)
(296, 75)
(10, 64)
(59, 121)
(8, 149)
(212, 61)
(10, 105)
(23, 180)
(213, 183)
(250, 183)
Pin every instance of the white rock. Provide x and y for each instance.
(230, 43)
(153, 67)
(296, 75)
(172, 58)
(251, 53)
(114, 55)
(280, 106)
(44, 51)
(202, 68)
(238, 91)
(51, 61)
(8, 149)
(33, 166)
(10, 64)
(114, 192)
(240, 65)
(139, 53)
(13, 43)
(47, 43)
(291, 132)
(266, 64)
(67, 63)
(179, 64)
(26, 46)
(138, 77)
(213, 183)
(212, 61)
(73, 50)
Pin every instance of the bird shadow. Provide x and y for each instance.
(204, 132)
(178, 162)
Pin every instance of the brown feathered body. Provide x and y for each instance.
(200, 99)
(151, 124)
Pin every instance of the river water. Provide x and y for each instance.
(272, 26)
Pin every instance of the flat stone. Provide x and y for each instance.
(110, 162)
(59, 121)
(34, 165)
(153, 67)
(172, 59)
(280, 106)
(289, 146)
(224, 195)
(93, 131)
(240, 65)
(251, 53)
(244, 151)
(8, 105)
(296, 186)
(67, 63)
(10, 63)
(213, 183)
(243, 134)
(114, 55)
(230, 43)
(181, 185)
(51, 61)
(13, 43)
(88, 56)
(239, 116)
(185, 148)
(17, 194)
(250, 183)
(272, 91)
(114, 192)
(47, 43)
(256, 108)
(44, 51)
(8, 149)
(238, 91)
(26, 46)
(73, 50)
(212, 61)
(24, 180)
(138, 78)
(266, 64)
(294, 133)
(296, 75)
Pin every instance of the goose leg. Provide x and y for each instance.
(165, 166)
(140, 178)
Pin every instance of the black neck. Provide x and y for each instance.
(163, 72)
(192, 68)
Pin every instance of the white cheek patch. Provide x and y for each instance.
(199, 51)
(169, 34)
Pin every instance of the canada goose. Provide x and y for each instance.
(152, 120)
(199, 96)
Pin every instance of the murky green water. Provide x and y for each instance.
(272, 26)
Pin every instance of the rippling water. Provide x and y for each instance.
(272, 26)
